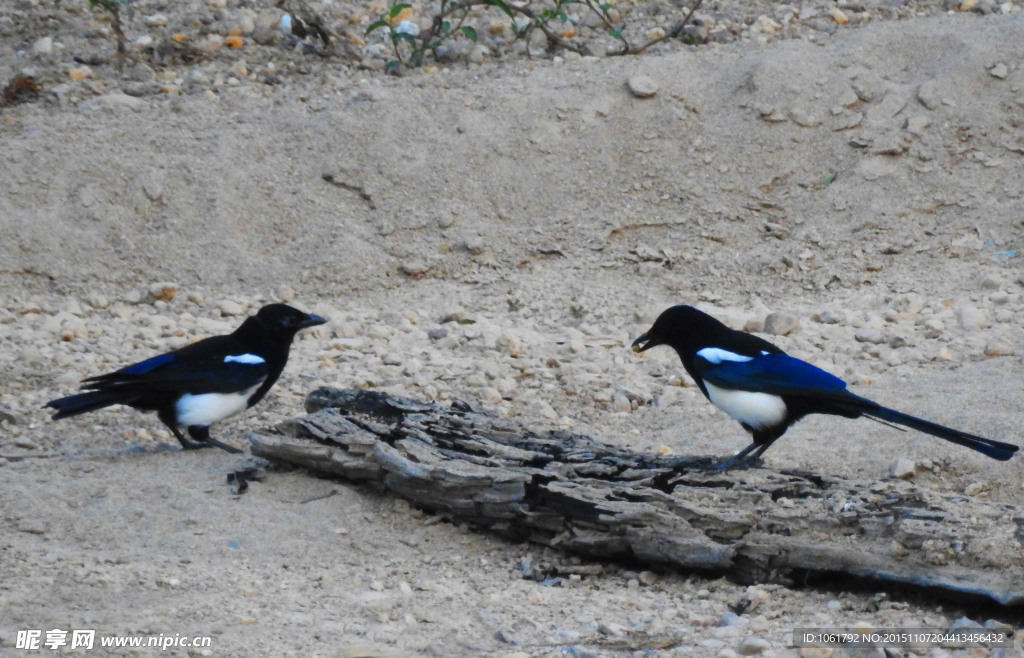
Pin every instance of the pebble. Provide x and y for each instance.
(971, 318)
(999, 347)
(903, 468)
(753, 646)
(163, 292)
(43, 46)
(869, 335)
(642, 86)
(114, 100)
(230, 308)
(780, 324)
(999, 71)
(620, 403)
(414, 269)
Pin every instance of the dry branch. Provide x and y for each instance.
(568, 491)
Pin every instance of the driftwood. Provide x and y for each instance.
(568, 491)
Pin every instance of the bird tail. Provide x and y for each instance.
(74, 405)
(994, 449)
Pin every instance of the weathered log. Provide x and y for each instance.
(569, 491)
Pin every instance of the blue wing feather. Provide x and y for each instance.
(777, 374)
(142, 367)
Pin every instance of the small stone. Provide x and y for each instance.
(917, 124)
(805, 117)
(230, 308)
(970, 317)
(490, 395)
(163, 292)
(414, 269)
(43, 46)
(642, 86)
(829, 317)
(7, 416)
(648, 578)
(620, 403)
(114, 100)
(156, 20)
(991, 283)
(509, 344)
(437, 334)
(999, 348)
(838, 15)
(903, 469)
(780, 324)
(479, 53)
(974, 488)
(869, 335)
(815, 652)
(765, 25)
(611, 628)
(753, 646)
(999, 71)
(285, 294)
(508, 637)
(928, 94)
(32, 527)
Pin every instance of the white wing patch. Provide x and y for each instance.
(208, 408)
(717, 355)
(250, 359)
(757, 410)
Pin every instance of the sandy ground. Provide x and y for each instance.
(869, 187)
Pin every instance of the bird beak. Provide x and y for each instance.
(643, 343)
(312, 321)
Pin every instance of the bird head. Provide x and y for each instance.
(676, 326)
(285, 319)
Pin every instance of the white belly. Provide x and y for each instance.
(207, 408)
(756, 410)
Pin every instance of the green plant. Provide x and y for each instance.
(411, 44)
(577, 311)
(113, 7)
(513, 305)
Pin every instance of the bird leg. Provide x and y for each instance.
(745, 458)
(202, 433)
(171, 425)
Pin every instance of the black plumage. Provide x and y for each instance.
(767, 390)
(201, 383)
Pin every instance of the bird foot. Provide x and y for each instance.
(209, 443)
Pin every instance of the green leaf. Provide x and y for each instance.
(465, 321)
(445, 26)
(616, 32)
(398, 9)
(500, 4)
(403, 36)
(469, 32)
(828, 180)
(376, 25)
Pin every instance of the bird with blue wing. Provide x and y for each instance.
(202, 383)
(767, 391)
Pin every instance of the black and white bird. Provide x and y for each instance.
(201, 383)
(766, 390)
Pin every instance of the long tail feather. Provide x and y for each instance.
(994, 449)
(74, 405)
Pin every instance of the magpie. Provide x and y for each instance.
(766, 390)
(202, 383)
